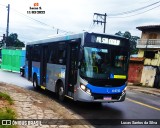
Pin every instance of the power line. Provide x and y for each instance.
(40, 22)
(92, 26)
(29, 17)
(3, 5)
(102, 20)
(134, 10)
(137, 13)
(129, 12)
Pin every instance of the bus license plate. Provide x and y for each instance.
(107, 98)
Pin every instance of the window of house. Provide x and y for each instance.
(150, 54)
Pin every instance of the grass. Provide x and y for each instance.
(7, 112)
(6, 97)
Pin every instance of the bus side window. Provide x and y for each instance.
(36, 53)
(52, 54)
(62, 53)
(61, 57)
(53, 58)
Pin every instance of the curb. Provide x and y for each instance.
(143, 89)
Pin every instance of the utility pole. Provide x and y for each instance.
(100, 18)
(7, 30)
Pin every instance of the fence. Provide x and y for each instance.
(12, 60)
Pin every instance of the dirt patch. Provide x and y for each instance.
(3, 103)
(40, 104)
(13, 88)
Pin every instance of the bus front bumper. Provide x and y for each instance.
(85, 97)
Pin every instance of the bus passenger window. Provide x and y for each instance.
(61, 57)
(36, 53)
(53, 58)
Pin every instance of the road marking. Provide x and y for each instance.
(146, 105)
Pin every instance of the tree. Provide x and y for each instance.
(119, 33)
(2, 41)
(13, 41)
(127, 35)
(133, 40)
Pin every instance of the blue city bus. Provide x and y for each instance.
(88, 67)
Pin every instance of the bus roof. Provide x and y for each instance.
(69, 37)
(58, 38)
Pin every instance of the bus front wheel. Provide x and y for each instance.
(61, 92)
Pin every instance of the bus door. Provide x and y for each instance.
(71, 66)
(29, 58)
(43, 65)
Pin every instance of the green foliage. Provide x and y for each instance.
(13, 41)
(133, 40)
(7, 113)
(6, 97)
(127, 35)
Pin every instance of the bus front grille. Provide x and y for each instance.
(101, 96)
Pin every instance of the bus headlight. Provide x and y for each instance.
(88, 91)
(83, 87)
(124, 90)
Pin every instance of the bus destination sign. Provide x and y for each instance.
(105, 40)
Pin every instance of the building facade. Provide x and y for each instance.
(149, 49)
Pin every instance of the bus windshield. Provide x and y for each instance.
(101, 63)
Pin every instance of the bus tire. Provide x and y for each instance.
(61, 92)
(35, 82)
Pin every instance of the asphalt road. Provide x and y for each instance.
(15, 78)
(136, 106)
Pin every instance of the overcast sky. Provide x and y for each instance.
(76, 16)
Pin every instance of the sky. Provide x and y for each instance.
(75, 16)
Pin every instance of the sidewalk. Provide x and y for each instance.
(143, 89)
(33, 105)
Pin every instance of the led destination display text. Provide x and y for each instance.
(104, 40)
(107, 41)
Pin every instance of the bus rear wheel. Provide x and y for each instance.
(61, 92)
(35, 82)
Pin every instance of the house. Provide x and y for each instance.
(135, 70)
(149, 49)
